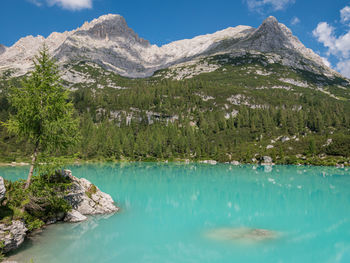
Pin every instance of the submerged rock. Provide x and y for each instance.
(12, 236)
(245, 235)
(87, 199)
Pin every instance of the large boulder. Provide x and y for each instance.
(12, 236)
(2, 189)
(74, 216)
(266, 160)
(87, 199)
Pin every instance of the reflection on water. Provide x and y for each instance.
(166, 208)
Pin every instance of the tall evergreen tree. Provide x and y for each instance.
(43, 114)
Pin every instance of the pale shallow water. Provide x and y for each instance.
(167, 211)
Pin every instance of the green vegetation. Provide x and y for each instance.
(92, 190)
(42, 202)
(41, 114)
(229, 114)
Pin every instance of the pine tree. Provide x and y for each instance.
(43, 114)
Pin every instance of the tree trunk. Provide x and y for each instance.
(31, 170)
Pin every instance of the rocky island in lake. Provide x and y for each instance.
(62, 197)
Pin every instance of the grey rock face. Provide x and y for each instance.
(12, 235)
(268, 37)
(2, 49)
(115, 28)
(74, 216)
(87, 199)
(2, 189)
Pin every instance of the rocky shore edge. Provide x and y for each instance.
(84, 197)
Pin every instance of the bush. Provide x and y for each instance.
(41, 202)
(340, 146)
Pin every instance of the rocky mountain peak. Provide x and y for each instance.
(269, 36)
(271, 20)
(109, 27)
(117, 20)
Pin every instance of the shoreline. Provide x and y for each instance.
(184, 161)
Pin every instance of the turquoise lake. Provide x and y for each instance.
(167, 211)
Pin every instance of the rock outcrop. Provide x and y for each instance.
(13, 235)
(2, 189)
(266, 160)
(86, 199)
(74, 216)
(2, 49)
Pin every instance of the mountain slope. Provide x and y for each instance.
(109, 42)
(238, 94)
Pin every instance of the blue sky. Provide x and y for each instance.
(322, 25)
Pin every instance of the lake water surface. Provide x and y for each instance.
(169, 213)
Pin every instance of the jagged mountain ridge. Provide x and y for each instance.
(109, 42)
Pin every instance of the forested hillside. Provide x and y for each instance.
(219, 108)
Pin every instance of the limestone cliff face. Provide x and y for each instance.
(2, 189)
(2, 49)
(12, 235)
(109, 42)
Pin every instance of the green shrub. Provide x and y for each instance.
(41, 202)
(92, 190)
(340, 146)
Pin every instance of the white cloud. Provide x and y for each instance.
(295, 20)
(344, 67)
(326, 62)
(72, 4)
(65, 4)
(345, 14)
(324, 34)
(258, 5)
(338, 46)
(35, 2)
